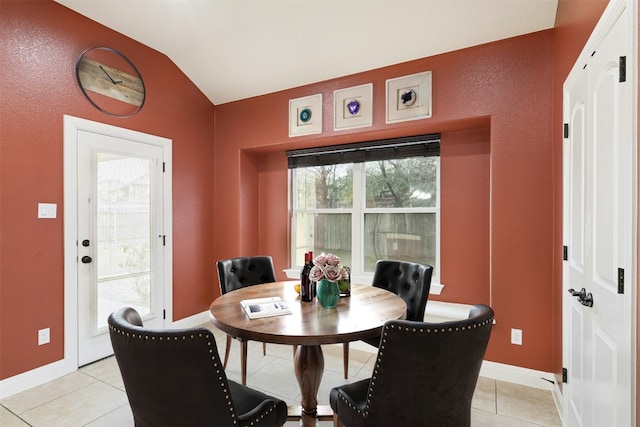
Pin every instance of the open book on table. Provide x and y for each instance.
(265, 307)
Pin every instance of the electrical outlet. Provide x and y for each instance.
(516, 336)
(44, 336)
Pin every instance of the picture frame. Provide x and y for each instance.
(305, 115)
(409, 97)
(353, 107)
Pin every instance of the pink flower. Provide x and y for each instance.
(327, 266)
(332, 259)
(333, 273)
(316, 273)
(320, 260)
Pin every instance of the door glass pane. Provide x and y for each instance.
(403, 236)
(124, 234)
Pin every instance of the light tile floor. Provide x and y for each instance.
(94, 396)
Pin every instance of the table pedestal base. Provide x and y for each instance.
(309, 364)
(323, 413)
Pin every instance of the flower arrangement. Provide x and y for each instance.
(327, 266)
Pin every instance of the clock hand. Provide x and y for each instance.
(110, 78)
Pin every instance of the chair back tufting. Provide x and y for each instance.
(236, 273)
(411, 281)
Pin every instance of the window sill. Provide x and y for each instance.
(294, 274)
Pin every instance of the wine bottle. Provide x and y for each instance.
(306, 293)
(312, 284)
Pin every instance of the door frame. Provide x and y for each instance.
(613, 10)
(71, 127)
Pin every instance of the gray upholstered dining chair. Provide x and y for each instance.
(175, 378)
(425, 375)
(236, 273)
(411, 281)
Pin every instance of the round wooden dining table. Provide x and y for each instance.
(356, 317)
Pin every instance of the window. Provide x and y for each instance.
(369, 201)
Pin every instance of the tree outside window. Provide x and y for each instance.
(363, 212)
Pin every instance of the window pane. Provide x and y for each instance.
(402, 183)
(329, 233)
(402, 236)
(325, 187)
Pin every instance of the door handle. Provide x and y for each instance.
(86, 259)
(584, 298)
(581, 294)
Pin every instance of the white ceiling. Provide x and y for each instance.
(236, 49)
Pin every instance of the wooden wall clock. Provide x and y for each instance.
(110, 81)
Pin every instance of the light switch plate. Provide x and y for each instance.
(47, 210)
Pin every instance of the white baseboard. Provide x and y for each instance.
(192, 321)
(34, 377)
(518, 375)
(50, 372)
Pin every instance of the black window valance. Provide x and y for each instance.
(382, 149)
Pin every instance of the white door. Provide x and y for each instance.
(599, 176)
(117, 226)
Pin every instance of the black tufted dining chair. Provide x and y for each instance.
(425, 375)
(175, 378)
(411, 281)
(236, 273)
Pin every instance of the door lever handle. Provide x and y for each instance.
(584, 298)
(581, 294)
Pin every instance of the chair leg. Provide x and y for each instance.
(226, 352)
(345, 359)
(264, 348)
(336, 421)
(243, 361)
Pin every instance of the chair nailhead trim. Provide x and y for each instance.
(215, 364)
(381, 349)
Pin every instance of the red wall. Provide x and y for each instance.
(40, 42)
(497, 106)
(492, 105)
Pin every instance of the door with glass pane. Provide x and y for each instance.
(119, 236)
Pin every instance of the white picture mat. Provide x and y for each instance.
(421, 84)
(342, 97)
(314, 125)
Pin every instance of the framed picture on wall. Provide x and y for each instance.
(305, 115)
(353, 107)
(409, 97)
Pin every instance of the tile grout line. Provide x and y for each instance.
(16, 415)
(57, 397)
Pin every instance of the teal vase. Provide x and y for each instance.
(327, 293)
